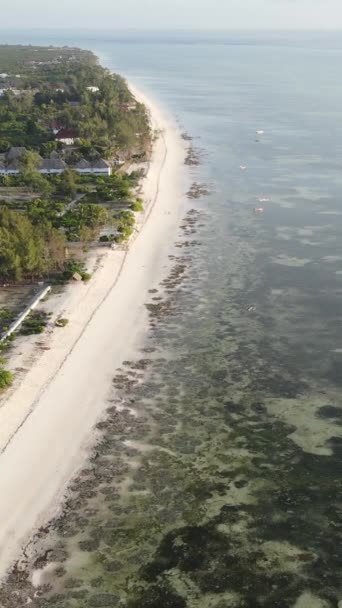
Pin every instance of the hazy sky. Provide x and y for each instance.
(163, 14)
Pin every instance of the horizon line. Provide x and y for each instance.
(165, 29)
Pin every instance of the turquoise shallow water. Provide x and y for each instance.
(226, 490)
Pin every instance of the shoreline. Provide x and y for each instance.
(47, 420)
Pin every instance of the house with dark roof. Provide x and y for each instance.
(66, 136)
(14, 153)
(13, 167)
(55, 126)
(52, 166)
(97, 167)
(83, 166)
(101, 167)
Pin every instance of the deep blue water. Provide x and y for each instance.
(239, 502)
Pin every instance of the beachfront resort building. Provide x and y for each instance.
(98, 167)
(52, 166)
(12, 165)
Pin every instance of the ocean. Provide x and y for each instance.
(227, 492)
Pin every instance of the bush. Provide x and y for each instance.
(6, 318)
(5, 344)
(138, 205)
(86, 276)
(35, 323)
(107, 238)
(71, 267)
(6, 378)
(61, 322)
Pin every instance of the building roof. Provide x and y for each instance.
(82, 164)
(14, 153)
(53, 164)
(55, 124)
(66, 134)
(100, 164)
(14, 165)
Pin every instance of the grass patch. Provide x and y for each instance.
(35, 323)
(6, 377)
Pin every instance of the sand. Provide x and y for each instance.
(47, 419)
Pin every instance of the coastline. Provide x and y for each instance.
(47, 420)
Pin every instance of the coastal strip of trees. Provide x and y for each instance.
(47, 222)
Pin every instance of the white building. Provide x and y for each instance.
(83, 167)
(52, 166)
(13, 168)
(16, 92)
(98, 167)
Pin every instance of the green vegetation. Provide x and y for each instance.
(42, 216)
(6, 318)
(75, 267)
(35, 323)
(125, 225)
(27, 249)
(6, 377)
(138, 205)
(53, 86)
(48, 220)
(61, 322)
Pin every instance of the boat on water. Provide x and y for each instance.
(260, 132)
(243, 167)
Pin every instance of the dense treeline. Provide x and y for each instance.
(34, 238)
(50, 88)
(28, 249)
(57, 91)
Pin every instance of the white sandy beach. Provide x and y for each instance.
(46, 419)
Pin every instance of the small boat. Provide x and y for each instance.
(243, 167)
(260, 132)
(263, 199)
(258, 210)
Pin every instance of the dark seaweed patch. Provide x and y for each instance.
(157, 596)
(330, 411)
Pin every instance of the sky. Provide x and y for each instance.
(170, 14)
